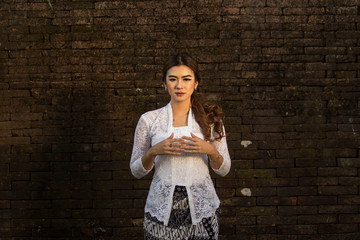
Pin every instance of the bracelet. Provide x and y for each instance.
(218, 157)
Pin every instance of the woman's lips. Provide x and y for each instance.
(179, 93)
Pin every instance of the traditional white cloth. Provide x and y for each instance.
(189, 170)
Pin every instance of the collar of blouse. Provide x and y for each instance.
(190, 122)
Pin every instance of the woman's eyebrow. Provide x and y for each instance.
(172, 76)
(186, 76)
(182, 76)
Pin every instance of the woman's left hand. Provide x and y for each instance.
(198, 145)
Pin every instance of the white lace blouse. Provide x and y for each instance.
(189, 170)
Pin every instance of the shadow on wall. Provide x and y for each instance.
(80, 183)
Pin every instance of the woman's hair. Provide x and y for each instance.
(205, 114)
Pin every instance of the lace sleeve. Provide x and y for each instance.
(142, 143)
(221, 147)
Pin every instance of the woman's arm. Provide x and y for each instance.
(169, 146)
(142, 143)
(143, 154)
(215, 159)
(217, 152)
(222, 148)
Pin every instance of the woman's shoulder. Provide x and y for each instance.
(152, 114)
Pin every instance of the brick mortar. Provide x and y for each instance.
(76, 76)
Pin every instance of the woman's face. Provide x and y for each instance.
(180, 82)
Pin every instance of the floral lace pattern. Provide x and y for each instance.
(189, 170)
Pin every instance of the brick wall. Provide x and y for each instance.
(76, 76)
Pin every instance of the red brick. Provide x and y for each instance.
(296, 191)
(348, 162)
(337, 209)
(349, 218)
(272, 220)
(297, 210)
(277, 182)
(4, 204)
(296, 172)
(315, 162)
(5, 133)
(337, 171)
(14, 140)
(255, 229)
(298, 229)
(349, 181)
(316, 219)
(282, 201)
(316, 200)
(274, 163)
(338, 228)
(355, 199)
(315, 181)
(338, 190)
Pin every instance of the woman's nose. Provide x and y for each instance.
(178, 84)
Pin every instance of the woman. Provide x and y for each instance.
(181, 140)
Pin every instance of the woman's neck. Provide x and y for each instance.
(180, 108)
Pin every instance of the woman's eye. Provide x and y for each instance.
(172, 79)
(187, 79)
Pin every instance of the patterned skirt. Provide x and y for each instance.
(180, 226)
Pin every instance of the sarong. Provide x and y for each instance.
(180, 225)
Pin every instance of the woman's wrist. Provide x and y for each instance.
(213, 160)
(151, 153)
(148, 159)
(216, 160)
(214, 155)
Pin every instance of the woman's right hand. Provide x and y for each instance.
(170, 146)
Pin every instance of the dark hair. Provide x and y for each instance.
(205, 114)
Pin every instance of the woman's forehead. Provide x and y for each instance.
(181, 70)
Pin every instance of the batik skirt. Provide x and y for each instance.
(180, 225)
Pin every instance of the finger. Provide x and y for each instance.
(172, 145)
(176, 144)
(176, 140)
(191, 151)
(177, 147)
(173, 151)
(171, 136)
(194, 136)
(188, 138)
(191, 143)
(191, 148)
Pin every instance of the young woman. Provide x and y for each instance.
(181, 140)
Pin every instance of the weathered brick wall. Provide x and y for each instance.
(76, 75)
